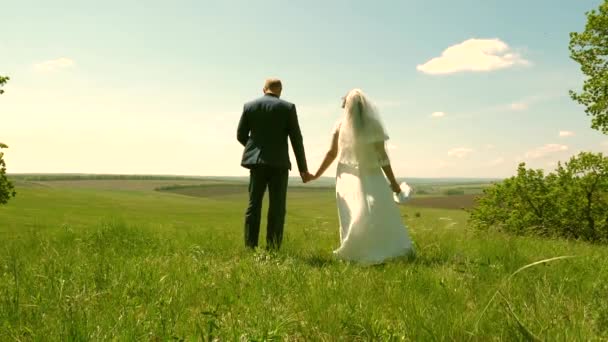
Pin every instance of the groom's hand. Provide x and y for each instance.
(306, 176)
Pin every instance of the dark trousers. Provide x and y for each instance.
(275, 179)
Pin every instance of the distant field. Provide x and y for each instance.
(83, 176)
(120, 261)
(429, 193)
(431, 185)
(110, 184)
(220, 190)
(445, 202)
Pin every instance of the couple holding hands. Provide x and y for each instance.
(371, 230)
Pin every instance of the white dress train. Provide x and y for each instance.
(371, 228)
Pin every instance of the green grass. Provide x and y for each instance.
(80, 264)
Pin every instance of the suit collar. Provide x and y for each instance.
(271, 94)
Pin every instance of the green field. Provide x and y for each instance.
(115, 259)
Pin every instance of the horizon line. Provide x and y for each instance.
(206, 176)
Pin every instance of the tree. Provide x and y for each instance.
(590, 49)
(7, 189)
(581, 194)
(3, 80)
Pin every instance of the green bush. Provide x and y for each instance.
(571, 202)
(7, 189)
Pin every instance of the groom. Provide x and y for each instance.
(263, 130)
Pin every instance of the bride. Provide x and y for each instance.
(371, 229)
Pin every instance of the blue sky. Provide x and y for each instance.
(119, 87)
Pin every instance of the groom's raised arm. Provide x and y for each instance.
(242, 132)
(297, 142)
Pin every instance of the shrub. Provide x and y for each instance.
(7, 189)
(571, 202)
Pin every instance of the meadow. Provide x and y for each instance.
(115, 259)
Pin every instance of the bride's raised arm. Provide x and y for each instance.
(388, 170)
(330, 156)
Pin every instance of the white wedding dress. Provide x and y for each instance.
(371, 228)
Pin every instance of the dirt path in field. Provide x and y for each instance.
(209, 190)
(118, 184)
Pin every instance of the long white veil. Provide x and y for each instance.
(361, 130)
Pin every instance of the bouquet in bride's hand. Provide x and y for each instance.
(405, 194)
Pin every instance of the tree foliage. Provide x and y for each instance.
(590, 49)
(7, 189)
(3, 80)
(571, 202)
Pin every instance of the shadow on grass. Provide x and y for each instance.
(317, 260)
(326, 260)
(433, 255)
(431, 260)
(409, 258)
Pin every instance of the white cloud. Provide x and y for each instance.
(473, 55)
(518, 106)
(54, 64)
(438, 114)
(489, 147)
(459, 152)
(605, 143)
(564, 134)
(545, 150)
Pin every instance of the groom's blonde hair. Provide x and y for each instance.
(273, 84)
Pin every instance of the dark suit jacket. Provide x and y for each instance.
(263, 130)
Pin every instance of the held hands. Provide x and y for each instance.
(306, 177)
(395, 187)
